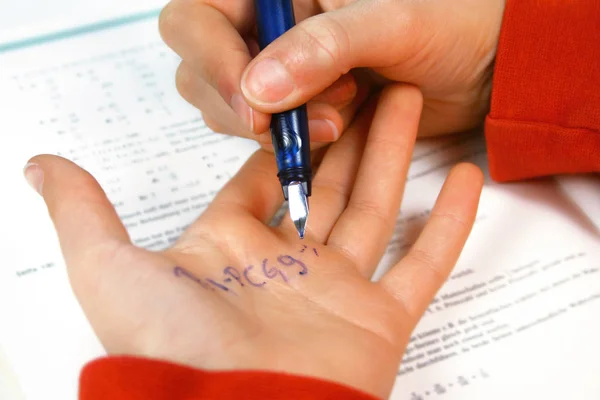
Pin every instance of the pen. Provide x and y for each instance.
(289, 130)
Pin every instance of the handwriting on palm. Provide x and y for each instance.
(236, 293)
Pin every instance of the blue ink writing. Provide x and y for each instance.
(272, 272)
(245, 277)
(288, 261)
(269, 273)
(246, 271)
(304, 247)
(235, 274)
(217, 284)
(178, 271)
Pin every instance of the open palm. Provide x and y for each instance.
(235, 293)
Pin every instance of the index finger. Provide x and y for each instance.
(207, 35)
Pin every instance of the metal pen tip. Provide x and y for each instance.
(298, 204)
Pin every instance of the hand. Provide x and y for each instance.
(339, 52)
(234, 293)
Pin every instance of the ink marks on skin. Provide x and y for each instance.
(290, 261)
(314, 250)
(250, 281)
(207, 283)
(181, 272)
(233, 278)
(272, 272)
(234, 273)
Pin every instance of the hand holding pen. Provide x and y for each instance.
(315, 62)
(289, 129)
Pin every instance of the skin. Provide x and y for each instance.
(331, 322)
(339, 53)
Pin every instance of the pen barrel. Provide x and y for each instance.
(274, 18)
(289, 130)
(291, 144)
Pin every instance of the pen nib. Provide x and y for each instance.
(298, 204)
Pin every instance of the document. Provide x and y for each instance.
(515, 320)
(9, 384)
(584, 192)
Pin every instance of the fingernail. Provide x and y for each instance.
(34, 175)
(323, 130)
(243, 110)
(268, 82)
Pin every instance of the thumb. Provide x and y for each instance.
(85, 220)
(313, 54)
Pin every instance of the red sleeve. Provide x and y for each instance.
(131, 378)
(545, 112)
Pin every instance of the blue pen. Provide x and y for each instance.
(289, 129)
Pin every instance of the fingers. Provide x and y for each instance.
(254, 190)
(317, 51)
(415, 280)
(216, 113)
(333, 181)
(210, 74)
(83, 217)
(190, 29)
(324, 126)
(328, 118)
(340, 93)
(331, 112)
(366, 225)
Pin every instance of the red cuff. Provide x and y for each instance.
(545, 111)
(130, 378)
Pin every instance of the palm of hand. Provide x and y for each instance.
(234, 293)
(264, 301)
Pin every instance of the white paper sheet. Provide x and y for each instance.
(517, 317)
(23, 20)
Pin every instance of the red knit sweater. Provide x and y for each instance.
(544, 120)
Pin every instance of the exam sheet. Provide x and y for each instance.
(9, 383)
(515, 320)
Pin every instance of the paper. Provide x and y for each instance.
(516, 318)
(9, 384)
(584, 192)
(527, 281)
(27, 20)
